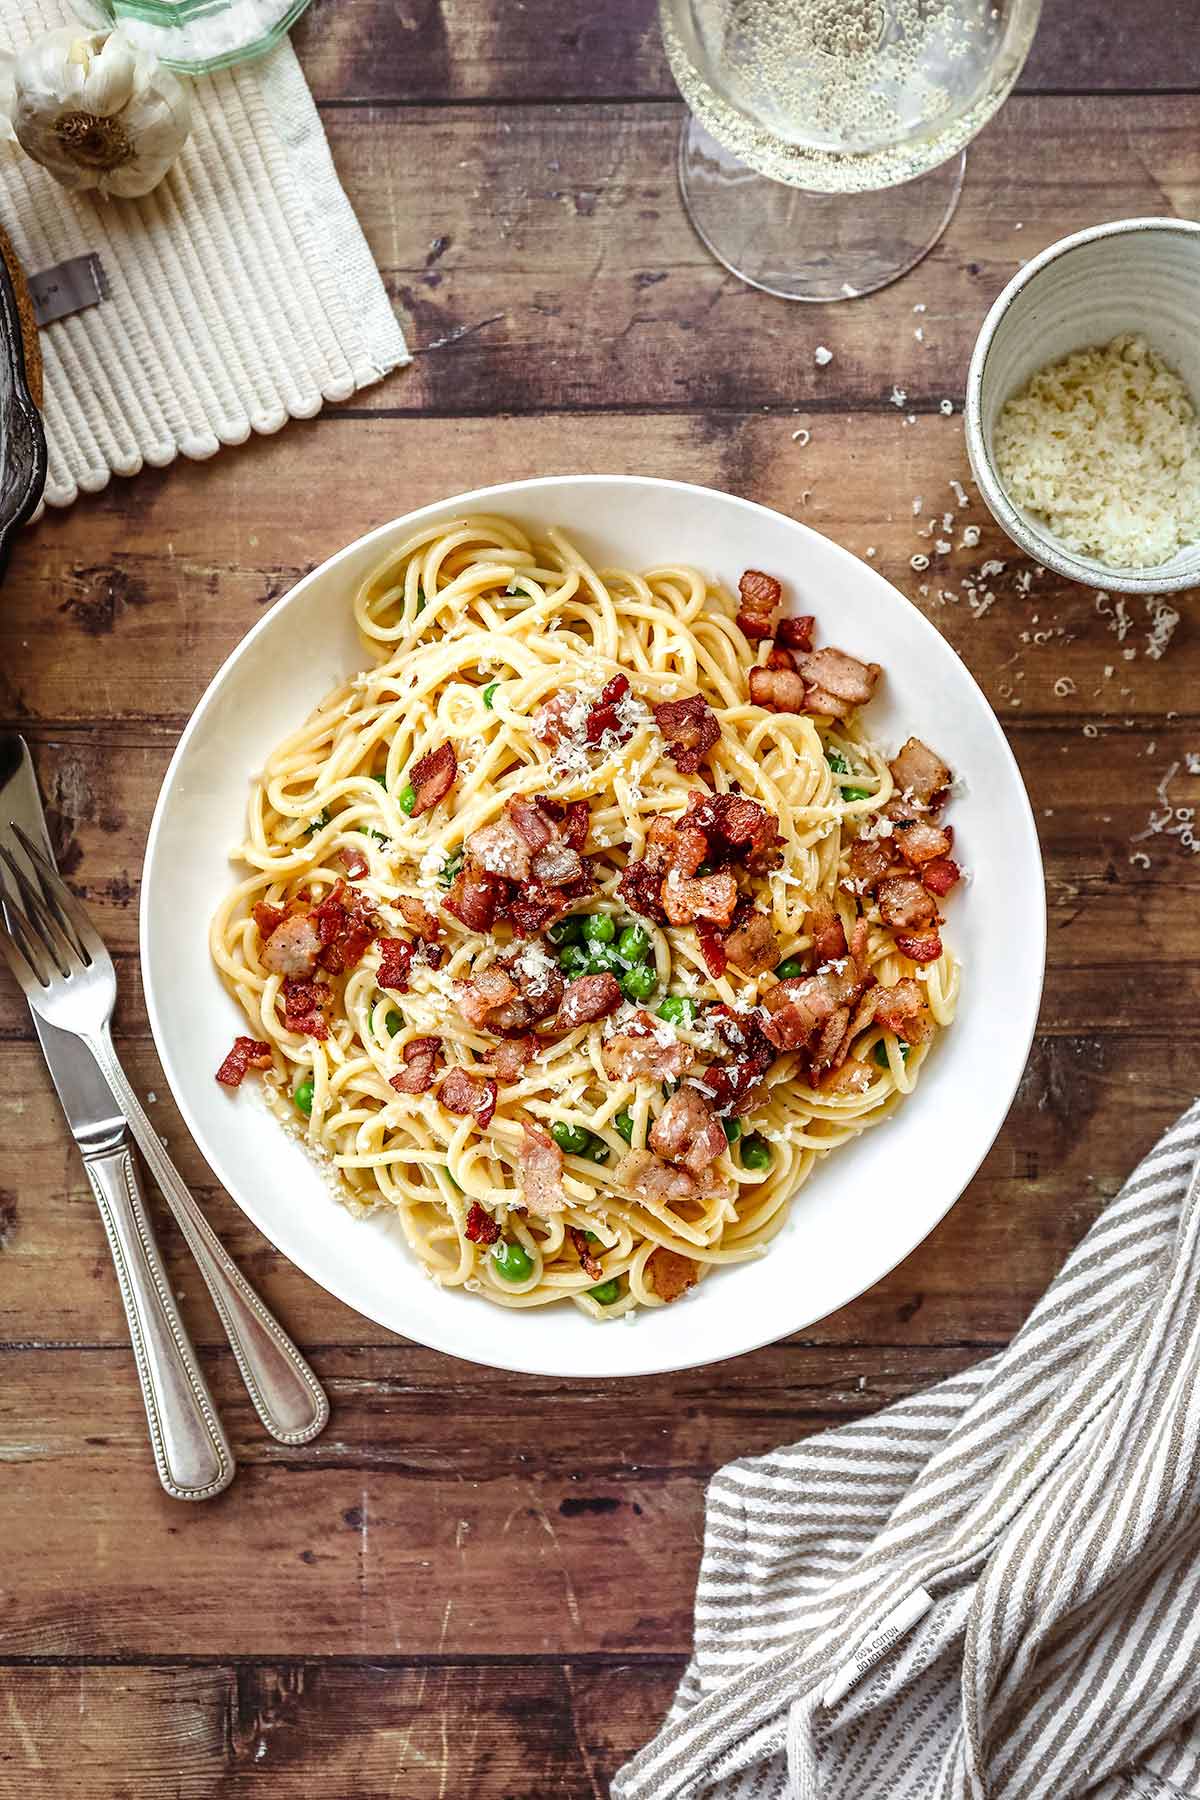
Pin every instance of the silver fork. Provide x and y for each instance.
(60, 961)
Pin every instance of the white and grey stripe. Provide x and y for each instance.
(1049, 1502)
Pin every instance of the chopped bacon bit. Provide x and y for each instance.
(588, 998)
(690, 728)
(535, 907)
(511, 1055)
(268, 918)
(752, 944)
(760, 597)
(636, 1053)
(603, 716)
(671, 1275)
(571, 818)
(779, 657)
(395, 963)
(501, 848)
(422, 1059)
(557, 865)
(468, 1096)
(688, 898)
(796, 634)
(919, 840)
(247, 1053)
(591, 1267)
(346, 923)
(870, 860)
(828, 934)
(828, 1052)
(541, 1171)
(423, 922)
(643, 1173)
(548, 718)
(433, 777)
(904, 1010)
(904, 904)
(487, 996)
(305, 1003)
(640, 887)
(712, 949)
(851, 1077)
(737, 829)
(531, 823)
(474, 897)
(920, 774)
(778, 690)
(354, 863)
(799, 1010)
(688, 1132)
(294, 947)
(922, 947)
(837, 682)
(481, 1227)
(940, 875)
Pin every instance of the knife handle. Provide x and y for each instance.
(191, 1451)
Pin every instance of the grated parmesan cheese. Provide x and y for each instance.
(1105, 447)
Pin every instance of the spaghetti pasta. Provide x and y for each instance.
(531, 1158)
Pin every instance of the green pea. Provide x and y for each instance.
(598, 928)
(513, 1262)
(489, 693)
(381, 779)
(597, 1150)
(407, 798)
(570, 1138)
(756, 1153)
(732, 1129)
(789, 968)
(624, 1124)
(566, 931)
(677, 1009)
(302, 1098)
(393, 1022)
(633, 944)
(573, 960)
(639, 983)
(605, 1292)
(837, 762)
(856, 793)
(881, 1055)
(450, 869)
(602, 959)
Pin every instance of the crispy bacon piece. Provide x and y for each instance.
(486, 997)
(641, 1172)
(752, 944)
(779, 657)
(637, 1054)
(294, 947)
(920, 774)
(920, 840)
(268, 918)
(688, 1132)
(904, 1010)
(247, 1053)
(534, 907)
(305, 1003)
(422, 1060)
(474, 897)
(870, 860)
(904, 904)
(828, 934)
(541, 1171)
(837, 682)
(433, 777)
(671, 1275)
(547, 721)
(588, 997)
(603, 716)
(848, 1077)
(470, 1096)
(481, 1227)
(556, 865)
(423, 922)
(920, 947)
(736, 829)
(940, 875)
(501, 848)
(346, 923)
(796, 633)
(571, 818)
(760, 596)
(690, 728)
(531, 822)
(688, 898)
(395, 962)
(583, 1250)
(511, 1055)
(799, 1010)
(778, 690)
(354, 863)
(712, 949)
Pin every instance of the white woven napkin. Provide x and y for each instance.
(242, 292)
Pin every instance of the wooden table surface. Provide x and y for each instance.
(475, 1584)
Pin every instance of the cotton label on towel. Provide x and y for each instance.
(902, 1618)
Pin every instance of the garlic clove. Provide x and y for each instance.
(110, 76)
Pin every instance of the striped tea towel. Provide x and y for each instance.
(1000, 1578)
(241, 292)
(196, 35)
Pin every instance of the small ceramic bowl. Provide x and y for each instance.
(1135, 275)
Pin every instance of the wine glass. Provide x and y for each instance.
(823, 154)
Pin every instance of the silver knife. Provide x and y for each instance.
(191, 1451)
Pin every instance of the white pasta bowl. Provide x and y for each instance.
(1132, 275)
(867, 1205)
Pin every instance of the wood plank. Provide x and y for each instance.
(1086, 1109)
(356, 50)
(545, 1732)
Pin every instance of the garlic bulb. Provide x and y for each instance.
(94, 110)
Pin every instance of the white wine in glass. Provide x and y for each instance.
(824, 150)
